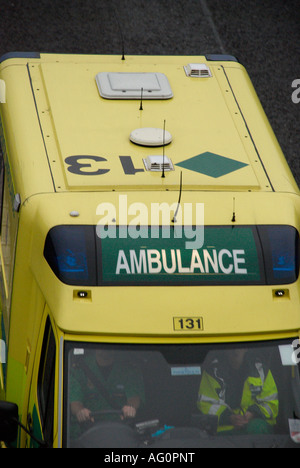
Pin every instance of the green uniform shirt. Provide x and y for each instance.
(121, 380)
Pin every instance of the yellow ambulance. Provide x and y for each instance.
(149, 250)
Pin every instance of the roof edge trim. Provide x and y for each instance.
(12, 55)
(221, 58)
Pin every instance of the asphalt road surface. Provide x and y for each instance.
(263, 34)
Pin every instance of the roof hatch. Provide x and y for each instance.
(133, 85)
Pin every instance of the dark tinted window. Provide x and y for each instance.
(46, 382)
(177, 393)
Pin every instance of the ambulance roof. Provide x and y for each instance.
(99, 123)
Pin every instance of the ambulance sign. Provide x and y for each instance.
(228, 256)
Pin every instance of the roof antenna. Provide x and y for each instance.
(120, 31)
(174, 220)
(141, 105)
(163, 174)
(233, 214)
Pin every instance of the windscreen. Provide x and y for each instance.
(230, 255)
(214, 395)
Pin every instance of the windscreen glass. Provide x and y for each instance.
(230, 255)
(223, 395)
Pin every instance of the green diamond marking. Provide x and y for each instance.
(211, 164)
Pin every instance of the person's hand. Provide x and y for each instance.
(249, 416)
(128, 412)
(239, 420)
(83, 415)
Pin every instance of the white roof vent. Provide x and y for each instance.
(197, 70)
(158, 163)
(133, 85)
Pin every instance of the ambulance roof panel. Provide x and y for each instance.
(202, 115)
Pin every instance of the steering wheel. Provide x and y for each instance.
(109, 434)
(108, 412)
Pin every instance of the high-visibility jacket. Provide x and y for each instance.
(259, 395)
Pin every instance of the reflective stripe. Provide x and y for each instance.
(263, 403)
(213, 410)
(260, 370)
(268, 398)
(267, 408)
(215, 404)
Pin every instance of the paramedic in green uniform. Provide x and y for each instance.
(120, 387)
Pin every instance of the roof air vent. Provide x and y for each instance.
(197, 70)
(158, 163)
